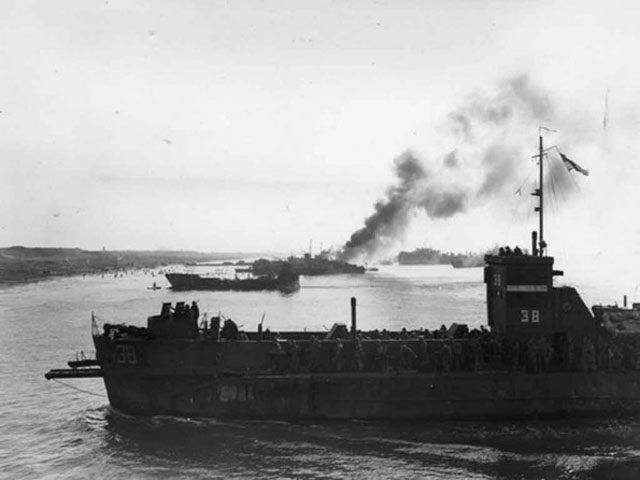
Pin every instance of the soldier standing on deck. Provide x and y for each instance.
(532, 355)
(475, 350)
(337, 355)
(423, 350)
(358, 356)
(276, 355)
(601, 352)
(314, 357)
(515, 355)
(407, 356)
(570, 358)
(588, 355)
(457, 355)
(381, 356)
(547, 355)
(294, 351)
(446, 357)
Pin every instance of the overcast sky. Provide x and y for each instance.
(260, 125)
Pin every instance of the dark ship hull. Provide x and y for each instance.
(401, 396)
(345, 397)
(187, 281)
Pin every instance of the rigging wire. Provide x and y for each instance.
(556, 191)
(516, 211)
(552, 188)
(78, 389)
(519, 189)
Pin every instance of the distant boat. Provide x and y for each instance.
(154, 287)
(285, 281)
(431, 256)
(307, 265)
(471, 261)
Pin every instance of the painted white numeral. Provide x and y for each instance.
(535, 316)
(131, 354)
(120, 356)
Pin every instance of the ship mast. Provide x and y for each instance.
(542, 244)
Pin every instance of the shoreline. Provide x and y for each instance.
(21, 265)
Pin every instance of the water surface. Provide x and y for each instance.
(50, 430)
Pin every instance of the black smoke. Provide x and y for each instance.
(491, 134)
(392, 214)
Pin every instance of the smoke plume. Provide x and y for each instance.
(491, 135)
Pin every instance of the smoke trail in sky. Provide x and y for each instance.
(491, 134)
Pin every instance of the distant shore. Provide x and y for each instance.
(23, 264)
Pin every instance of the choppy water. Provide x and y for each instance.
(50, 431)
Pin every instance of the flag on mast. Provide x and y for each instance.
(571, 165)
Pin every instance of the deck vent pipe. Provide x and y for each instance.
(353, 317)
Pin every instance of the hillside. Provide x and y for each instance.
(22, 264)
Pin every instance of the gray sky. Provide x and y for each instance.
(259, 125)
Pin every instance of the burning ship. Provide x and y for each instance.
(308, 265)
(543, 352)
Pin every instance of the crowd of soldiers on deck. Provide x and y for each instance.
(181, 312)
(478, 351)
(507, 252)
(440, 350)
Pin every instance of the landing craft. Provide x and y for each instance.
(543, 352)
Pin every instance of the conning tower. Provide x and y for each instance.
(522, 301)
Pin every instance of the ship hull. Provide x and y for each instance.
(187, 282)
(401, 396)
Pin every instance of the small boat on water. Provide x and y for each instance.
(154, 287)
(244, 270)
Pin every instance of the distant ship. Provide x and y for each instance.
(432, 256)
(542, 353)
(308, 265)
(286, 280)
(468, 261)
